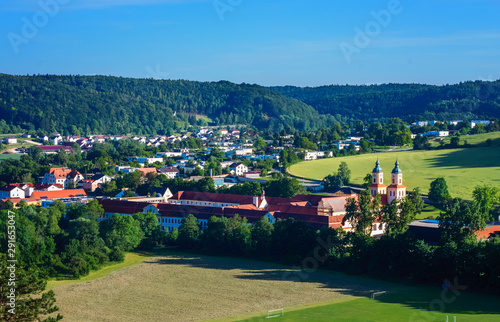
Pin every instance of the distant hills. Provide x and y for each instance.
(100, 104)
(105, 104)
(406, 101)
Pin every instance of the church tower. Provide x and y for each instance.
(396, 189)
(377, 186)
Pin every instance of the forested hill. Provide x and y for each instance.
(100, 104)
(407, 101)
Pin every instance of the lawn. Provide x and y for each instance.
(463, 169)
(185, 287)
(411, 304)
(10, 156)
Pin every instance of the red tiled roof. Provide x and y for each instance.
(58, 194)
(399, 186)
(147, 170)
(63, 173)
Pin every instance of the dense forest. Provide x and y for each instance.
(116, 105)
(82, 105)
(409, 102)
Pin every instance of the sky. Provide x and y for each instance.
(266, 42)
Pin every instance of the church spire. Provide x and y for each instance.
(396, 168)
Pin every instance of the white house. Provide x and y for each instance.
(169, 154)
(238, 169)
(170, 172)
(11, 140)
(124, 168)
(143, 160)
(11, 191)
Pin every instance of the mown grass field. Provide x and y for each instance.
(10, 156)
(185, 287)
(411, 304)
(463, 169)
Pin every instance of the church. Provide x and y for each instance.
(396, 190)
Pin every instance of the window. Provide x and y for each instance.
(374, 180)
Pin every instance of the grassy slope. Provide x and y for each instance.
(463, 169)
(130, 260)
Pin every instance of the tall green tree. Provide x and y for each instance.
(439, 190)
(362, 212)
(121, 231)
(30, 303)
(189, 232)
(460, 221)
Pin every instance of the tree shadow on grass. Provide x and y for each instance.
(469, 158)
(417, 297)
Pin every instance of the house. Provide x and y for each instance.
(145, 171)
(238, 169)
(143, 160)
(53, 149)
(12, 191)
(165, 193)
(124, 168)
(95, 182)
(11, 140)
(26, 187)
(101, 178)
(170, 171)
(473, 123)
(48, 187)
(224, 131)
(27, 136)
(438, 133)
(168, 155)
(64, 176)
(16, 201)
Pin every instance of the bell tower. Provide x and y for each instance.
(377, 186)
(396, 190)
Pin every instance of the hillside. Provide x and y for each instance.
(407, 101)
(463, 169)
(100, 104)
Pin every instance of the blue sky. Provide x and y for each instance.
(272, 42)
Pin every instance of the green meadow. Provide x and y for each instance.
(410, 304)
(463, 169)
(10, 156)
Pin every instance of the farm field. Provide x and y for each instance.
(463, 169)
(185, 287)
